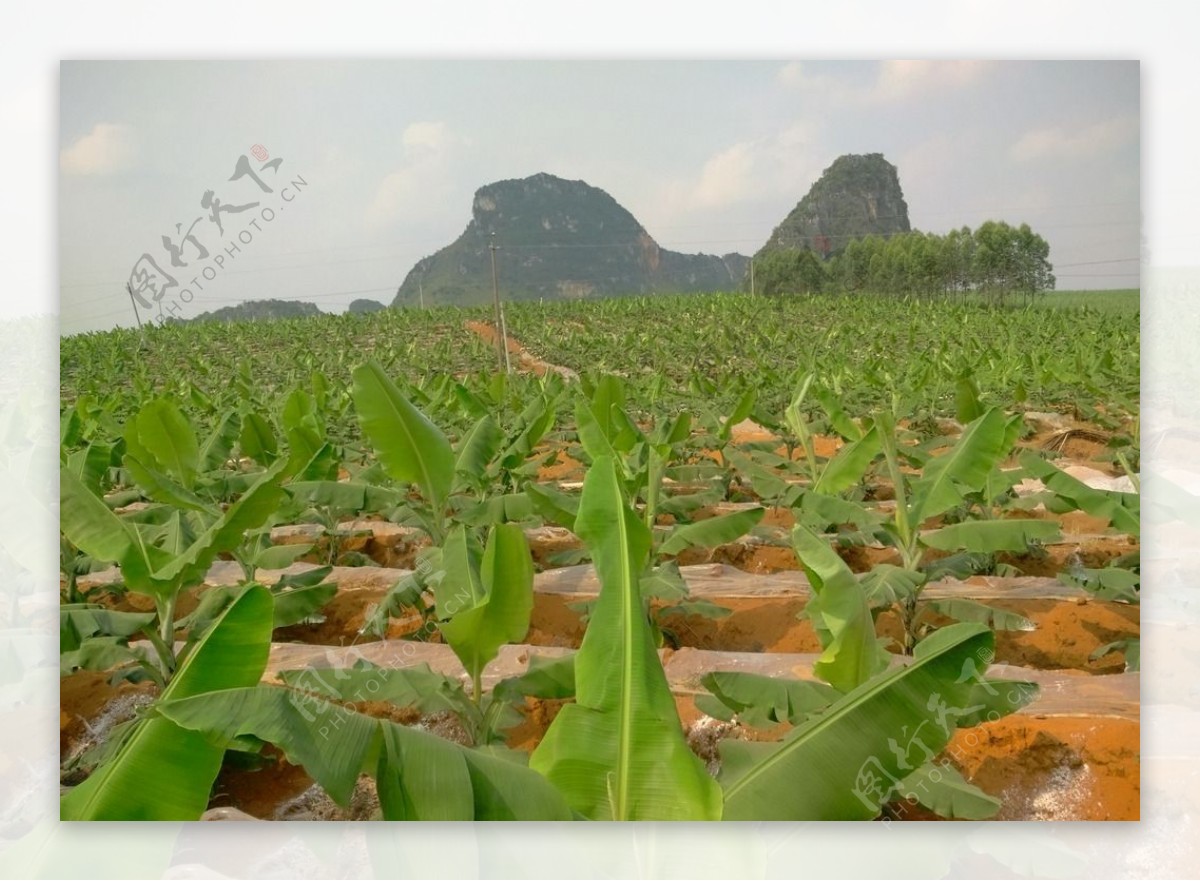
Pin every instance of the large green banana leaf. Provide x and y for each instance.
(88, 523)
(158, 487)
(965, 467)
(844, 763)
(215, 451)
(990, 536)
(596, 443)
(164, 772)
(840, 614)
(419, 775)
(497, 599)
(416, 686)
(847, 467)
(619, 753)
(248, 512)
(1123, 510)
(412, 448)
(90, 465)
(166, 441)
(552, 505)
(713, 531)
(968, 610)
(257, 438)
(741, 412)
(477, 448)
(762, 701)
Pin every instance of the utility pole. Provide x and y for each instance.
(421, 291)
(129, 288)
(752, 276)
(501, 335)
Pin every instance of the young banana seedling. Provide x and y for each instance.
(606, 430)
(964, 471)
(168, 547)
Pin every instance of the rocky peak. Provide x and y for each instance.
(858, 195)
(557, 239)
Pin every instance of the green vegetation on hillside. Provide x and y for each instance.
(995, 261)
(257, 310)
(557, 239)
(858, 195)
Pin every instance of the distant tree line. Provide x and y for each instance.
(996, 261)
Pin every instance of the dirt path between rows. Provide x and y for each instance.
(526, 362)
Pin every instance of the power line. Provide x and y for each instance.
(1099, 262)
(708, 225)
(681, 272)
(1098, 275)
(736, 241)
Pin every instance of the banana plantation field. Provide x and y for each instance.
(708, 557)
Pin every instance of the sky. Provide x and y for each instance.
(367, 166)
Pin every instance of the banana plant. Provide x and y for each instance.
(607, 430)
(1065, 493)
(483, 720)
(824, 503)
(411, 448)
(92, 637)
(161, 561)
(851, 658)
(1120, 581)
(879, 741)
(158, 770)
(414, 450)
(483, 601)
(329, 503)
(494, 464)
(947, 480)
(418, 776)
(618, 752)
(721, 429)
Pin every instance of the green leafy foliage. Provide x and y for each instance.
(483, 604)
(838, 609)
(618, 752)
(162, 771)
(411, 447)
(846, 761)
(762, 701)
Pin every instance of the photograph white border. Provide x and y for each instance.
(33, 843)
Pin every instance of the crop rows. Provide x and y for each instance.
(366, 479)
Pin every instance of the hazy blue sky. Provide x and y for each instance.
(709, 156)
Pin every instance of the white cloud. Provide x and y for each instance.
(424, 175)
(725, 177)
(899, 80)
(430, 135)
(394, 191)
(1074, 142)
(892, 81)
(796, 75)
(746, 171)
(108, 149)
